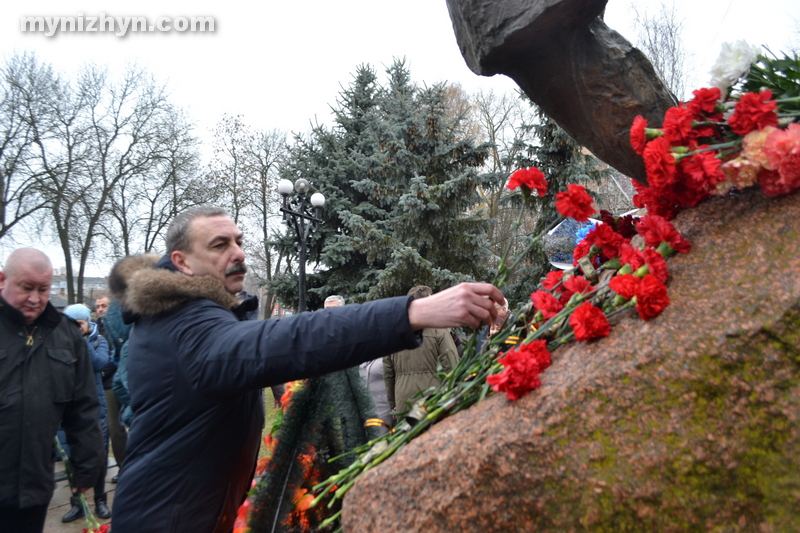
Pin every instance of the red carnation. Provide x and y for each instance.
(532, 177)
(638, 135)
(656, 264)
(702, 171)
(704, 101)
(648, 198)
(659, 163)
(588, 322)
(771, 183)
(522, 366)
(552, 280)
(622, 225)
(605, 238)
(678, 125)
(655, 229)
(578, 284)
(582, 249)
(626, 285)
(754, 111)
(651, 298)
(575, 203)
(628, 255)
(546, 303)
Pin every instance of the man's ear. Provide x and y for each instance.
(179, 259)
(2, 280)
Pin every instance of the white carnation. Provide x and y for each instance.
(733, 62)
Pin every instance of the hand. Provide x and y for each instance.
(466, 304)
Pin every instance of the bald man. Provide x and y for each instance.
(46, 378)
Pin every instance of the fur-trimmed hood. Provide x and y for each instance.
(144, 286)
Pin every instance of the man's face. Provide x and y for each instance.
(216, 251)
(27, 288)
(101, 306)
(332, 303)
(497, 325)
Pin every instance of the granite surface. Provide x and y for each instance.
(688, 422)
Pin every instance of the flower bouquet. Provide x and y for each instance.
(744, 134)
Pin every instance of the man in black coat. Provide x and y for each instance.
(196, 371)
(46, 377)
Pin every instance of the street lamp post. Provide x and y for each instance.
(303, 213)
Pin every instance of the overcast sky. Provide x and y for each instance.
(281, 64)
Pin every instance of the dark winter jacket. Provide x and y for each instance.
(410, 371)
(118, 332)
(41, 385)
(196, 373)
(97, 346)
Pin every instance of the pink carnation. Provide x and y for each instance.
(782, 148)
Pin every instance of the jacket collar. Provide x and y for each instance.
(49, 318)
(154, 286)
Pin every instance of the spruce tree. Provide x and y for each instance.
(400, 181)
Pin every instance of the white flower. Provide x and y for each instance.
(733, 62)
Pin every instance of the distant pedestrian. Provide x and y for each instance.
(408, 372)
(97, 347)
(117, 435)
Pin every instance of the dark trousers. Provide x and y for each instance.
(116, 432)
(25, 520)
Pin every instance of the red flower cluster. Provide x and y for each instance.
(622, 225)
(588, 322)
(575, 203)
(102, 529)
(649, 291)
(606, 240)
(655, 230)
(684, 167)
(754, 112)
(532, 178)
(523, 364)
(548, 304)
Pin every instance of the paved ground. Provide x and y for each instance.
(59, 505)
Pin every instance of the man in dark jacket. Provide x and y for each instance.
(196, 371)
(45, 378)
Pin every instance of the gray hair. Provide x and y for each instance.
(178, 237)
(335, 298)
(420, 291)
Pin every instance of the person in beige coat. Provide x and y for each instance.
(410, 371)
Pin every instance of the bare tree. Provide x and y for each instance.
(229, 168)
(59, 157)
(660, 39)
(265, 155)
(25, 83)
(244, 173)
(143, 204)
(504, 121)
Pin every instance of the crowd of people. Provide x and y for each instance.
(170, 373)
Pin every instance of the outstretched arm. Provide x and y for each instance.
(466, 304)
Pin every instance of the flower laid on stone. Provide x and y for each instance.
(738, 133)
